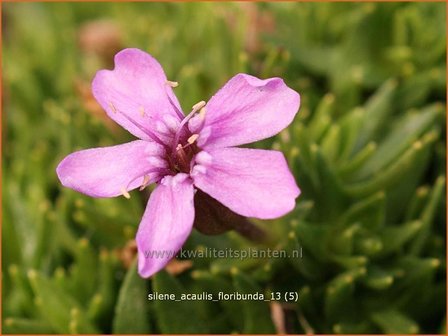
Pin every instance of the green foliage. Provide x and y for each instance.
(367, 150)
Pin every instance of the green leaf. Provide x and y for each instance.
(417, 203)
(342, 241)
(309, 267)
(392, 174)
(175, 317)
(347, 169)
(312, 236)
(85, 267)
(350, 261)
(377, 109)
(428, 215)
(368, 244)
(339, 293)
(321, 120)
(257, 317)
(369, 212)
(401, 136)
(62, 311)
(330, 197)
(26, 326)
(395, 237)
(214, 284)
(349, 126)
(101, 305)
(132, 309)
(393, 322)
(346, 328)
(378, 279)
(331, 143)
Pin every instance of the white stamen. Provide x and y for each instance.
(202, 113)
(141, 110)
(172, 84)
(193, 138)
(198, 106)
(144, 183)
(125, 193)
(112, 107)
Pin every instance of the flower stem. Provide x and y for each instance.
(213, 218)
(250, 231)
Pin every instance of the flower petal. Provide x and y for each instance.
(251, 182)
(248, 109)
(166, 224)
(136, 94)
(108, 171)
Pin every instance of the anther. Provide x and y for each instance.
(193, 138)
(172, 84)
(112, 107)
(141, 110)
(202, 113)
(198, 106)
(125, 193)
(144, 183)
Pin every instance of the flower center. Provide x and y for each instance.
(180, 160)
(182, 152)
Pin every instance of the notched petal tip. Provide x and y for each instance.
(247, 109)
(251, 182)
(135, 91)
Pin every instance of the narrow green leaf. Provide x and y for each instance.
(417, 203)
(393, 322)
(58, 308)
(131, 311)
(307, 266)
(345, 328)
(349, 126)
(175, 317)
(321, 120)
(391, 175)
(214, 284)
(257, 317)
(339, 293)
(311, 236)
(348, 168)
(26, 326)
(378, 279)
(428, 215)
(401, 136)
(376, 112)
(395, 237)
(369, 212)
(85, 267)
(331, 143)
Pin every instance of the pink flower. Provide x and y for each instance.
(183, 153)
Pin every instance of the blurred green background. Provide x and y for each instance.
(367, 149)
